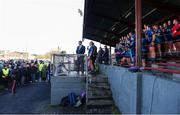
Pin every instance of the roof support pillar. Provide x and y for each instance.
(138, 25)
(138, 28)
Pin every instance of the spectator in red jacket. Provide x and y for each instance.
(176, 34)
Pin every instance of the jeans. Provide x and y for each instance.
(33, 77)
(40, 75)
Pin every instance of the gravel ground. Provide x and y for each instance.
(32, 98)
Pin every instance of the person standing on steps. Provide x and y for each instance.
(100, 55)
(92, 56)
(80, 59)
(106, 55)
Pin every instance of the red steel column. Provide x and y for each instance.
(138, 54)
(138, 30)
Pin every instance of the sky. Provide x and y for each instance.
(38, 26)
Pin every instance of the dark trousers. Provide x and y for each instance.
(40, 74)
(106, 61)
(80, 64)
(100, 59)
(5, 82)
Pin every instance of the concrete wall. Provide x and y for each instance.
(62, 86)
(159, 95)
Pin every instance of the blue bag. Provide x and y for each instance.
(72, 99)
(134, 69)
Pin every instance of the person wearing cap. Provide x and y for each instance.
(80, 59)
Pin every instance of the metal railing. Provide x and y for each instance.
(67, 64)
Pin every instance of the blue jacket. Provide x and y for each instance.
(144, 47)
(92, 52)
(149, 34)
(80, 51)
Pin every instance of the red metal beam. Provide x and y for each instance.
(138, 29)
(138, 13)
(162, 70)
(168, 64)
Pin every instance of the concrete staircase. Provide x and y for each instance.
(99, 95)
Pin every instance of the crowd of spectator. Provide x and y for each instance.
(23, 72)
(158, 41)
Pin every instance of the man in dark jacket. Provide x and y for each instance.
(100, 55)
(80, 59)
(106, 55)
(33, 72)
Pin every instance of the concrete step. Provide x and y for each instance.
(104, 110)
(99, 84)
(100, 89)
(99, 103)
(99, 78)
(96, 92)
(99, 97)
(107, 87)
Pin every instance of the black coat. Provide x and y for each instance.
(81, 50)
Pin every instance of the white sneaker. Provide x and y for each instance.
(78, 103)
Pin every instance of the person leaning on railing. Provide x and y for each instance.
(118, 55)
(176, 34)
(151, 42)
(132, 47)
(144, 49)
(158, 39)
(126, 52)
(168, 39)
